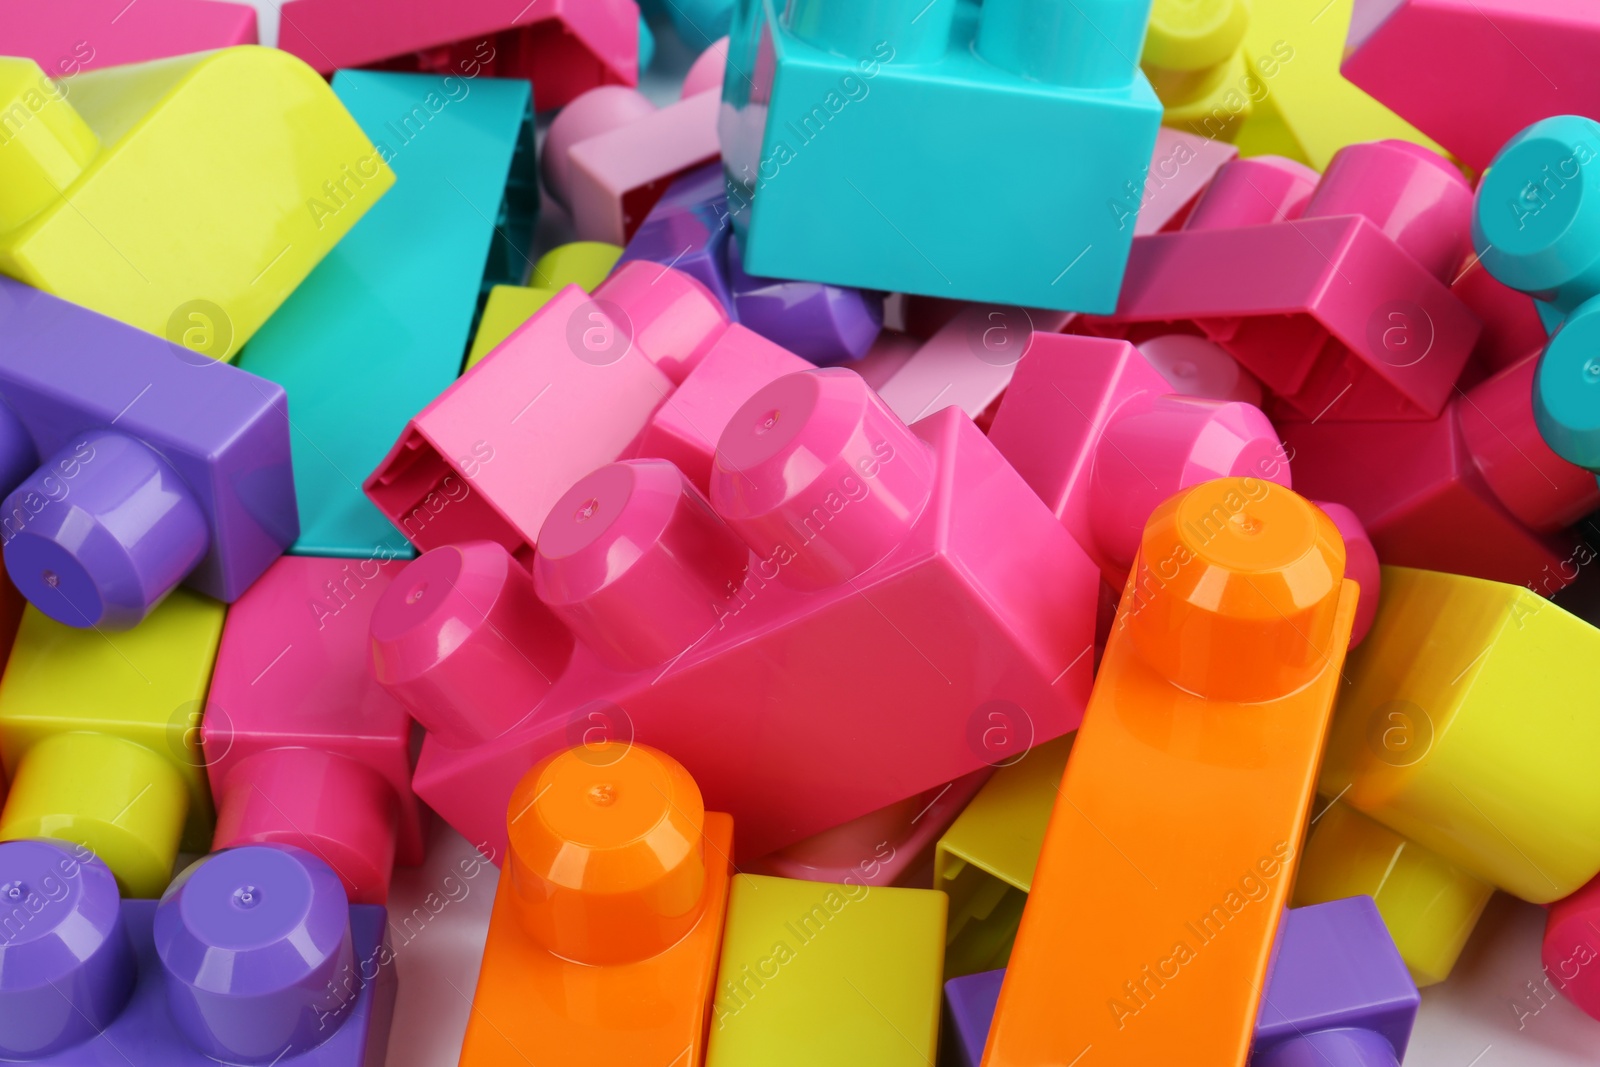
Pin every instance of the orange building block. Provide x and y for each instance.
(607, 925)
(1172, 846)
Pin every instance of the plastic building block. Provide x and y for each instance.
(828, 187)
(1512, 326)
(302, 747)
(969, 1003)
(708, 68)
(1194, 63)
(1572, 947)
(1360, 566)
(985, 861)
(835, 536)
(568, 392)
(131, 465)
(611, 153)
(892, 846)
(1510, 63)
(1481, 466)
(70, 36)
(581, 263)
(1188, 791)
(1337, 993)
(603, 942)
(1464, 725)
(690, 230)
(98, 735)
(816, 973)
(1428, 904)
(252, 956)
(1335, 294)
(107, 204)
(1091, 426)
(891, 351)
(1194, 366)
(392, 308)
(565, 47)
(698, 21)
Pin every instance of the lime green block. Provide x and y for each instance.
(581, 263)
(985, 860)
(815, 973)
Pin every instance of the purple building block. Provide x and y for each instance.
(253, 956)
(132, 464)
(1337, 995)
(690, 230)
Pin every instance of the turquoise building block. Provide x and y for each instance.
(382, 325)
(992, 153)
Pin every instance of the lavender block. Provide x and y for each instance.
(969, 1003)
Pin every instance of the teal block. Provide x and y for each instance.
(992, 153)
(382, 325)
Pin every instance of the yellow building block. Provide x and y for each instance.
(1428, 903)
(985, 861)
(187, 196)
(581, 263)
(1192, 58)
(818, 973)
(99, 733)
(1471, 724)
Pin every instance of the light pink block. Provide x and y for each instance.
(1180, 169)
(889, 352)
(68, 36)
(1472, 73)
(302, 745)
(1194, 366)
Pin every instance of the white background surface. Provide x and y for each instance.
(1470, 1021)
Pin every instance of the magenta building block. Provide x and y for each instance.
(969, 1003)
(302, 745)
(1571, 947)
(149, 465)
(252, 956)
(836, 537)
(1471, 73)
(1181, 168)
(565, 47)
(66, 37)
(1335, 294)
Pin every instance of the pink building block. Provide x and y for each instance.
(1334, 293)
(565, 47)
(1512, 329)
(569, 391)
(1476, 491)
(1361, 565)
(66, 37)
(302, 746)
(1194, 366)
(839, 601)
(891, 846)
(1472, 73)
(705, 74)
(1571, 949)
(611, 153)
(1095, 430)
(889, 352)
(1181, 167)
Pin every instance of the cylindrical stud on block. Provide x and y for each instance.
(1360, 566)
(1571, 950)
(461, 639)
(327, 804)
(910, 31)
(46, 142)
(819, 476)
(1536, 217)
(124, 802)
(255, 947)
(66, 965)
(1417, 197)
(672, 318)
(1192, 35)
(1345, 1047)
(103, 547)
(17, 460)
(1194, 366)
(607, 859)
(1566, 391)
(595, 112)
(707, 70)
(1155, 446)
(1236, 589)
(1254, 192)
(634, 560)
(1087, 44)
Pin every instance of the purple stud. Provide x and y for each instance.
(823, 324)
(255, 942)
(17, 455)
(66, 964)
(102, 532)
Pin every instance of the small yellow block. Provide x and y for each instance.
(581, 263)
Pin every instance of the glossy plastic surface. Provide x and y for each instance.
(827, 186)
(581, 263)
(1194, 366)
(603, 942)
(1565, 403)
(1188, 790)
(1572, 948)
(864, 959)
(150, 465)
(389, 313)
(867, 550)
(565, 47)
(302, 745)
(53, 35)
(1428, 904)
(98, 732)
(135, 230)
(969, 1003)
(1360, 566)
(1471, 73)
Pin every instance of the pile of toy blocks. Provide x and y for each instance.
(1030, 533)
